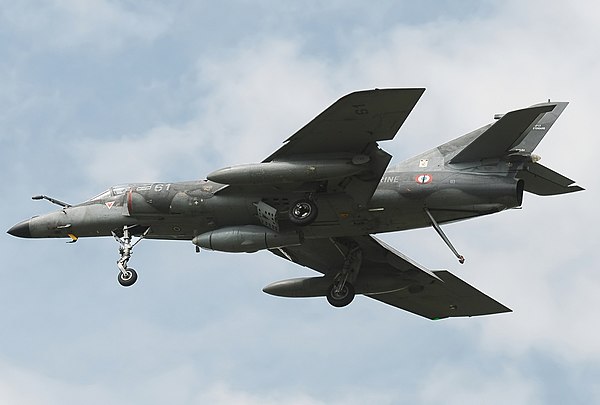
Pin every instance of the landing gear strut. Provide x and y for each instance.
(127, 276)
(341, 292)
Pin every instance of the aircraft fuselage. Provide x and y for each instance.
(181, 211)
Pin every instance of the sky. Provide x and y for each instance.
(102, 92)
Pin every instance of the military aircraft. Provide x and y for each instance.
(318, 200)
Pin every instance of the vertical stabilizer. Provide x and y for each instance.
(530, 139)
(518, 131)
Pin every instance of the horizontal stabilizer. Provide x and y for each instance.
(499, 139)
(543, 181)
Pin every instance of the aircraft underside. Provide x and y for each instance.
(318, 200)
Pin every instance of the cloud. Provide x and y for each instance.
(246, 107)
(543, 270)
(25, 387)
(201, 327)
(474, 383)
(261, 95)
(145, 158)
(183, 385)
(99, 24)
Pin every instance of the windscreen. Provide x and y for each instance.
(111, 192)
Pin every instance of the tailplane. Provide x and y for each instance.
(540, 180)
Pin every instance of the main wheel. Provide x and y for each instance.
(128, 279)
(342, 298)
(303, 212)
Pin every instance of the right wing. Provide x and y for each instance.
(450, 297)
(390, 277)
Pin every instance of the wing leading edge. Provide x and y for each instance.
(390, 277)
(352, 123)
(344, 136)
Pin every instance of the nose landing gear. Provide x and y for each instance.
(127, 276)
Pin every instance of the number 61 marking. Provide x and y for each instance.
(161, 187)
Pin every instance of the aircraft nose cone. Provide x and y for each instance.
(21, 230)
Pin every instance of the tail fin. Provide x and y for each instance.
(531, 138)
(518, 131)
(514, 136)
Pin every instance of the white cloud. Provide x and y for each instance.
(135, 158)
(471, 384)
(249, 98)
(254, 101)
(542, 268)
(100, 24)
(25, 387)
(221, 393)
(261, 95)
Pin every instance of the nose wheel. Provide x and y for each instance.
(127, 276)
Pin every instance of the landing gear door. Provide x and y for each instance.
(267, 216)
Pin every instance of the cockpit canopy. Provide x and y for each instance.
(111, 192)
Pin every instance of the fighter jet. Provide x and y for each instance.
(318, 200)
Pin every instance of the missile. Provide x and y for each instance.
(289, 171)
(246, 239)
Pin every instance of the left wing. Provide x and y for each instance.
(351, 124)
(336, 152)
(390, 277)
(349, 129)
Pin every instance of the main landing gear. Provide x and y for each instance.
(127, 276)
(303, 212)
(341, 292)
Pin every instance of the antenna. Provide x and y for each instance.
(52, 200)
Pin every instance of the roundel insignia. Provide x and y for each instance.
(423, 178)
